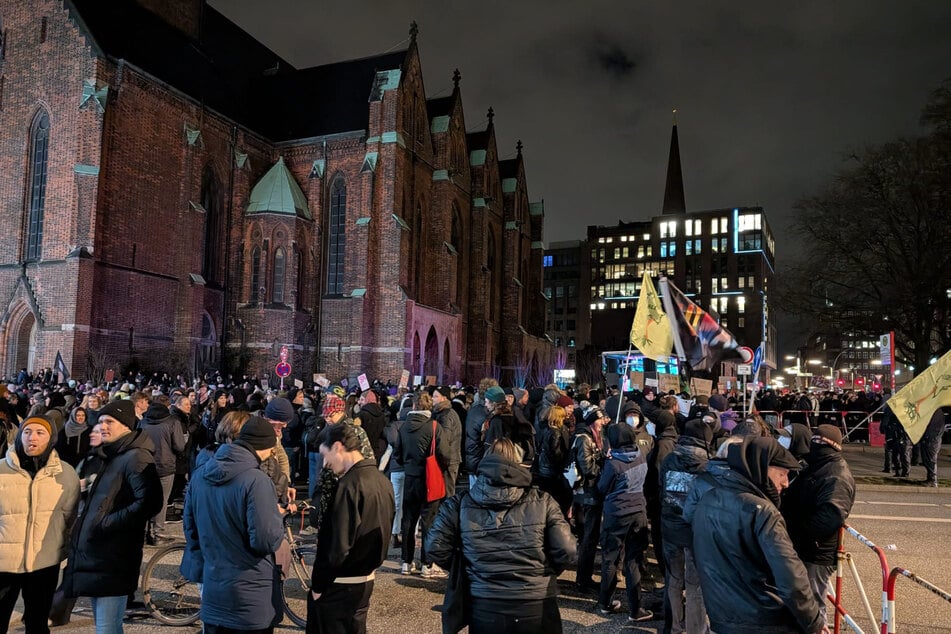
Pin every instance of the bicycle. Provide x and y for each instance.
(174, 600)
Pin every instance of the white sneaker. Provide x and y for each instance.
(308, 530)
(433, 571)
(408, 569)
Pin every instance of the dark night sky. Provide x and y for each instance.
(769, 98)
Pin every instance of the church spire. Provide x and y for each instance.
(674, 192)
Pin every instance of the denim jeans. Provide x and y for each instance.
(683, 578)
(396, 478)
(108, 612)
(315, 462)
(820, 580)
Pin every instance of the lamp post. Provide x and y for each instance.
(832, 373)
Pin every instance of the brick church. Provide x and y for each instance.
(178, 197)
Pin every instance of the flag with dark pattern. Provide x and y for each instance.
(699, 339)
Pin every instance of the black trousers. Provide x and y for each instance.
(415, 507)
(512, 616)
(341, 609)
(37, 588)
(623, 538)
(588, 545)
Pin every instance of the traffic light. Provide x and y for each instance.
(840, 382)
(877, 387)
(859, 381)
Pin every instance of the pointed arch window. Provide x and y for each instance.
(255, 275)
(39, 155)
(299, 278)
(419, 245)
(211, 201)
(490, 265)
(455, 238)
(337, 238)
(277, 284)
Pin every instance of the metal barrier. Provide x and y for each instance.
(853, 423)
(889, 599)
(846, 557)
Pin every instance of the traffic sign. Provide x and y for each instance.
(746, 354)
(744, 369)
(283, 369)
(757, 358)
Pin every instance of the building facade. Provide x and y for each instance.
(179, 197)
(568, 288)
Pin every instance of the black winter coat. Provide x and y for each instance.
(751, 578)
(514, 538)
(817, 504)
(553, 452)
(165, 431)
(677, 475)
(373, 420)
(449, 421)
(106, 548)
(475, 446)
(416, 436)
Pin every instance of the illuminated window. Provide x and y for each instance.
(723, 224)
(741, 304)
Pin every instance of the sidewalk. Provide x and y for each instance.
(866, 464)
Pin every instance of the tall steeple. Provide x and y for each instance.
(674, 192)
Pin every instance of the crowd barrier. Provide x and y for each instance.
(853, 423)
(889, 622)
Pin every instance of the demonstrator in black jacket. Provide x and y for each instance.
(514, 542)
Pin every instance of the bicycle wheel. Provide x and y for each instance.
(296, 584)
(170, 597)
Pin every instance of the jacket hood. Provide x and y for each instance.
(417, 418)
(620, 435)
(230, 461)
(752, 459)
(137, 439)
(500, 482)
(156, 413)
(801, 437)
(31, 464)
(72, 416)
(625, 456)
(373, 409)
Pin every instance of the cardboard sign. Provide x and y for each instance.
(404, 379)
(650, 382)
(637, 380)
(110, 376)
(364, 383)
(298, 384)
(344, 382)
(321, 380)
(668, 382)
(701, 387)
(430, 380)
(417, 380)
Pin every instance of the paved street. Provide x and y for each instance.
(913, 522)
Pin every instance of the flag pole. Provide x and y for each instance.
(627, 371)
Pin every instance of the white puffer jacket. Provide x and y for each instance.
(36, 514)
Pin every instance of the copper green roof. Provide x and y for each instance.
(278, 193)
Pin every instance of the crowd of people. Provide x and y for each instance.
(499, 489)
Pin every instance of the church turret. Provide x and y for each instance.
(674, 192)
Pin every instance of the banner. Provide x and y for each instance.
(650, 330)
(699, 339)
(916, 403)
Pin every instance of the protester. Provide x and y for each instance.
(353, 538)
(106, 554)
(588, 457)
(514, 543)
(232, 528)
(815, 507)
(751, 577)
(39, 494)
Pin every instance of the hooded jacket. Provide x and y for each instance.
(589, 460)
(621, 484)
(164, 429)
(107, 542)
(232, 528)
(751, 578)
(677, 475)
(446, 416)
(416, 436)
(36, 512)
(373, 421)
(475, 447)
(817, 504)
(513, 537)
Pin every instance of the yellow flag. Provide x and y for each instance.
(650, 332)
(915, 403)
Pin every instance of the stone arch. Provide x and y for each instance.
(22, 331)
(431, 355)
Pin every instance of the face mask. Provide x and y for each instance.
(633, 421)
(651, 428)
(785, 441)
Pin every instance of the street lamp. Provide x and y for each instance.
(832, 372)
